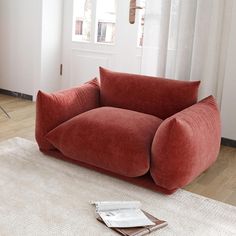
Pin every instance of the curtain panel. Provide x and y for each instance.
(187, 40)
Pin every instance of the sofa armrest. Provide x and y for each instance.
(186, 144)
(55, 108)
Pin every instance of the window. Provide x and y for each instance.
(82, 20)
(141, 18)
(105, 21)
(95, 21)
(79, 26)
(106, 32)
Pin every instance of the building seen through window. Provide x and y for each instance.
(82, 20)
(104, 26)
(106, 21)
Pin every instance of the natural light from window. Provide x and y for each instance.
(141, 17)
(82, 20)
(106, 21)
(95, 21)
(104, 27)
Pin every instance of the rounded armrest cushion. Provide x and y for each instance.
(55, 108)
(186, 144)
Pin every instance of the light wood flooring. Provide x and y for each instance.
(218, 182)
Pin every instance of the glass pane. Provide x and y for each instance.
(173, 27)
(106, 20)
(141, 16)
(82, 20)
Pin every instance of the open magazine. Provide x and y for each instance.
(122, 214)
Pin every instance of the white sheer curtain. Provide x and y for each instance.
(187, 40)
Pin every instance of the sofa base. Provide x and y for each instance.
(145, 181)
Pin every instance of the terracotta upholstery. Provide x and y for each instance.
(55, 108)
(186, 144)
(115, 139)
(146, 130)
(151, 95)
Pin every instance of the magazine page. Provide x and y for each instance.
(122, 214)
(125, 218)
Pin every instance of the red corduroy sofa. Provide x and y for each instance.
(146, 130)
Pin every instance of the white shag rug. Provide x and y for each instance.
(40, 195)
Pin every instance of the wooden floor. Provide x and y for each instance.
(218, 182)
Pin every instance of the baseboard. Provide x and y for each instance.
(16, 94)
(228, 142)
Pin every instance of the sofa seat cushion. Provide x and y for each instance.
(114, 139)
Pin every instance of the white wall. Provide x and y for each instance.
(228, 106)
(30, 45)
(51, 45)
(20, 23)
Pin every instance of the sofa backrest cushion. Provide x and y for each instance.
(151, 95)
